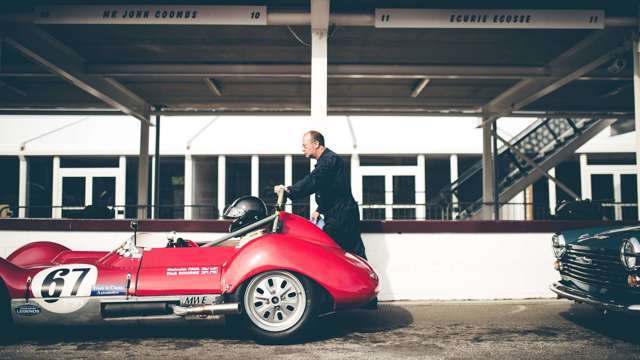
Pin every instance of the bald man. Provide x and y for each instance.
(332, 188)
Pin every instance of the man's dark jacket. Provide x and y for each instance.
(332, 187)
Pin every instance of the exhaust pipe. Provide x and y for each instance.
(213, 309)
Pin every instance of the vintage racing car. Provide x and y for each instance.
(599, 267)
(279, 274)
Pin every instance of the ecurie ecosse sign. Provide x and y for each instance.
(489, 19)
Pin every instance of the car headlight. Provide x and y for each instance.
(629, 250)
(559, 245)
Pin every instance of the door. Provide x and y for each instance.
(602, 193)
(94, 193)
(390, 197)
(89, 197)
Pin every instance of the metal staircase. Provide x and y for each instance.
(546, 142)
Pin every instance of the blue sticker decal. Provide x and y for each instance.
(28, 310)
(108, 290)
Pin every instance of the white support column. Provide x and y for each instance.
(585, 177)
(255, 175)
(453, 165)
(56, 190)
(312, 198)
(421, 188)
(121, 181)
(636, 100)
(617, 195)
(288, 178)
(143, 170)
(319, 31)
(22, 187)
(88, 190)
(388, 197)
(487, 172)
(222, 177)
(552, 192)
(356, 180)
(188, 187)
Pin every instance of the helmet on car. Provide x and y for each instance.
(245, 210)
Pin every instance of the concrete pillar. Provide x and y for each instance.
(421, 189)
(636, 100)
(188, 187)
(222, 177)
(529, 209)
(288, 178)
(388, 197)
(319, 31)
(487, 172)
(22, 187)
(56, 190)
(617, 195)
(143, 170)
(585, 178)
(255, 175)
(453, 173)
(88, 190)
(553, 200)
(121, 186)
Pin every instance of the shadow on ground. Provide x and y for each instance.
(342, 324)
(620, 326)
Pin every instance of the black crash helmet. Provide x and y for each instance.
(245, 210)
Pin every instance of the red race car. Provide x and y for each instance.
(274, 275)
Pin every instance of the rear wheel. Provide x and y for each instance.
(279, 305)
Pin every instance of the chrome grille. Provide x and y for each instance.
(598, 267)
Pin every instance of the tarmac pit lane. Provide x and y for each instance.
(535, 329)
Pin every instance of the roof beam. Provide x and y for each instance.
(333, 110)
(361, 71)
(304, 71)
(44, 50)
(596, 49)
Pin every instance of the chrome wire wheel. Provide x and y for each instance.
(275, 301)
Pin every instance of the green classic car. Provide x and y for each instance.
(599, 267)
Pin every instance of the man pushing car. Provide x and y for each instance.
(332, 189)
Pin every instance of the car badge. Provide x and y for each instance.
(584, 260)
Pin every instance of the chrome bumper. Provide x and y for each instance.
(583, 297)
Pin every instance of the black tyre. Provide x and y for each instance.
(279, 306)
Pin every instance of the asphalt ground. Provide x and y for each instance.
(531, 329)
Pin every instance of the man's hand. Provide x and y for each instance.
(279, 188)
(314, 217)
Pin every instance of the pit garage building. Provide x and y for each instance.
(460, 114)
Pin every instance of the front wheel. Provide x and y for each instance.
(279, 305)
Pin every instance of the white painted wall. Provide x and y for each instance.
(411, 266)
(248, 135)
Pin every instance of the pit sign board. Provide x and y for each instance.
(152, 15)
(489, 19)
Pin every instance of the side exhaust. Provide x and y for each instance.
(213, 309)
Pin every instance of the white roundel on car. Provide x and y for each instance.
(65, 288)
